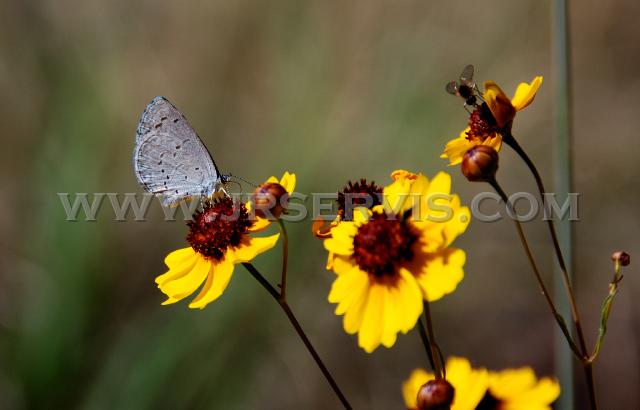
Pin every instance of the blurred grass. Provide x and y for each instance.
(332, 91)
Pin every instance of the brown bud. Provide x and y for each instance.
(436, 395)
(621, 257)
(480, 163)
(270, 200)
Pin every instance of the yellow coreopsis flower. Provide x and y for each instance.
(520, 389)
(470, 384)
(220, 238)
(490, 118)
(511, 389)
(391, 257)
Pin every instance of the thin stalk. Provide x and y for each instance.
(285, 259)
(427, 345)
(436, 353)
(543, 288)
(296, 325)
(511, 141)
(566, 281)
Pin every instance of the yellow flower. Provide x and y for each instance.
(389, 258)
(519, 389)
(488, 119)
(511, 389)
(470, 384)
(220, 238)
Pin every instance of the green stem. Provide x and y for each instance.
(296, 325)
(285, 259)
(543, 288)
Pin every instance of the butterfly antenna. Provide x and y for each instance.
(243, 180)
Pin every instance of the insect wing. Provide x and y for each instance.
(467, 74)
(452, 88)
(169, 158)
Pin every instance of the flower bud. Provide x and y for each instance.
(270, 200)
(480, 163)
(436, 395)
(623, 258)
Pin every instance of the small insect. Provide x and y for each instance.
(169, 158)
(466, 88)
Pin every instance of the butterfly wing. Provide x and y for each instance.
(169, 158)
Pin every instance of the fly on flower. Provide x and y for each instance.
(170, 160)
(466, 88)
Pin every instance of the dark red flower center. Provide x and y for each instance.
(482, 124)
(356, 195)
(219, 224)
(383, 244)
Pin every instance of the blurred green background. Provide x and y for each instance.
(332, 90)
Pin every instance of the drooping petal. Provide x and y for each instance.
(217, 281)
(407, 296)
(499, 104)
(183, 286)
(348, 289)
(370, 334)
(250, 247)
(456, 148)
(440, 273)
(525, 93)
(178, 256)
(181, 263)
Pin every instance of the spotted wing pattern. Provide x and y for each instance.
(169, 158)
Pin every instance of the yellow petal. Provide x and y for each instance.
(217, 281)
(408, 297)
(259, 224)
(288, 182)
(341, 241)
(525, 93)
(470, 384)
(520, 389)
(370, 334)
(177, 257)
(354, 313)
(458, 223)
(456, 148)
(396, 194)
(250, 247)
(499, 104)
(179, 267)
(494, 141)
(441, 273)
(412, 385)
(341, 264)
(348, 289)
(184, 286)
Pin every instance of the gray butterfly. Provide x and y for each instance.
(169, 158)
